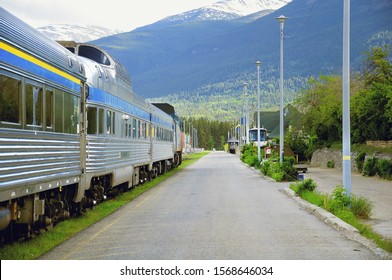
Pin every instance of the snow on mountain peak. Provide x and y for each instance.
(78, 33)
(247, 7)
(228, 10)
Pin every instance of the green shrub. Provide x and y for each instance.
(252, 160)
(327, 202)
(384, 168)
(290, 173)
(249, 155)
(264, 167)
(275, 171)
(339, 200)
(360, 160)
(279, 171)
(278, 176)
(361, 207)
(339, 194)
(370, 167)
(330, 163)
(307, 185)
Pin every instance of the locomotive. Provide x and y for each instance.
(71, 130)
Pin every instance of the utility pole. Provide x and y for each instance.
(281, 21)
(246, 113)
(258, 64)
(346, 99)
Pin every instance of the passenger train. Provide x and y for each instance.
(71, 130)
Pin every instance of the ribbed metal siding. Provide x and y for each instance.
(162, 150)
(108, 154)
(28, 157)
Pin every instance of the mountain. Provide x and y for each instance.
(247, 7)
(226, 10)
(191, 55)
(78, 33)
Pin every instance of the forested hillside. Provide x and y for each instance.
(228, 100)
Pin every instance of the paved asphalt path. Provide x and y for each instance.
(215, 209)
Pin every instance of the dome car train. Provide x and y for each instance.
(71, 130)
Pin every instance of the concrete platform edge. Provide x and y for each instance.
(341, 226)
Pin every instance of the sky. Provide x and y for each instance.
(123, 15)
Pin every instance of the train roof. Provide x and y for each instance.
(17, 33)
(168, 109)
(98, 55)
(165, 107)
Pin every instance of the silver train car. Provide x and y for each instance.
(71, 130)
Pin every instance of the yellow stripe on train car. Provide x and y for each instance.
(38, 62)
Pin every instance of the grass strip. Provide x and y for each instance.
(346, 215)
(36, 247)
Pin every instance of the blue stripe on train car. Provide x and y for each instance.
(102, 97)
(33, 68)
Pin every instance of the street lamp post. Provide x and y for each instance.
(346, 99)
(281, 21)
(190, 137)
(246, 113)
(258, 64)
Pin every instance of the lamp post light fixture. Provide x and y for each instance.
(258, 64)
(281, 21)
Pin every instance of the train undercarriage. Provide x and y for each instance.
(24, 218)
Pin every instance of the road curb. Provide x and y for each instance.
(347, 230)
(344, 228)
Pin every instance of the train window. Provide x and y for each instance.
(142, 129)
(92, 120)
(71, 116)
(33, 105)
(76, 114)
(134, 128)
(129, 130)
(101, 123)
(108, 122)
(113, 123)
(58, 111)
(49, 108)
(9, 99)
(148, 131)
(94, 54)
(71, 49)
(138, 129)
